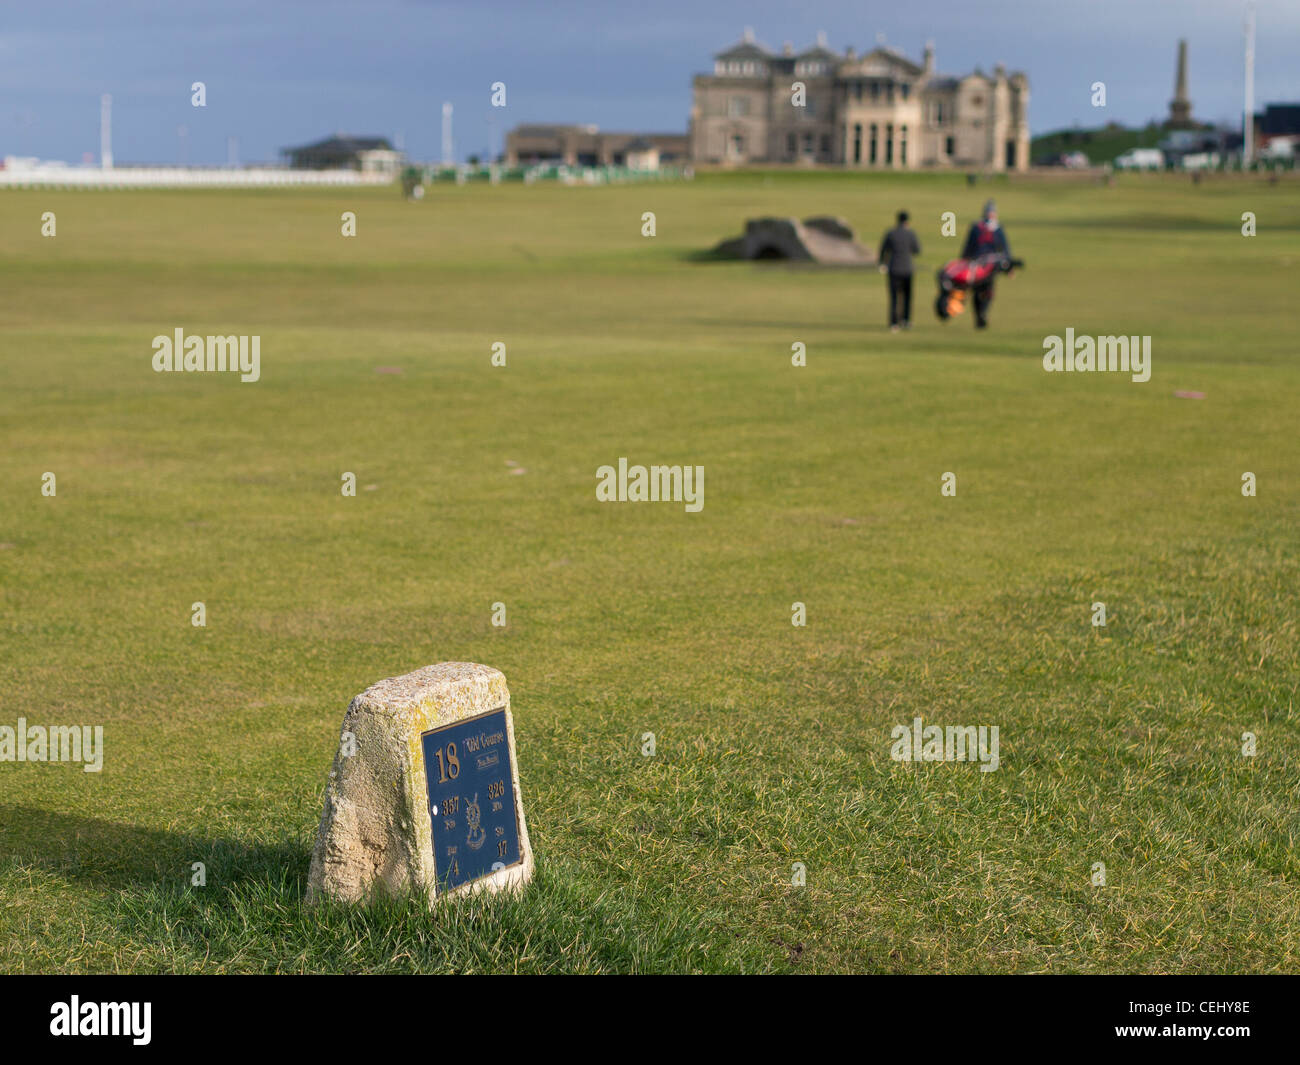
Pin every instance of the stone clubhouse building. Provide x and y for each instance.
(876, 111)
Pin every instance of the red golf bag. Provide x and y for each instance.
(962, 275)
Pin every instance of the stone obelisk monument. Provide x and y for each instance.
(1180, 107)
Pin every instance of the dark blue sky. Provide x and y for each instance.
(283, 72)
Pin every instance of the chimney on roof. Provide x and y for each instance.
(749, 34)
(821, 38)
(929, 58)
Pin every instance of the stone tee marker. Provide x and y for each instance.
(428, 800)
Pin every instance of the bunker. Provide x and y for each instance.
(821, 239)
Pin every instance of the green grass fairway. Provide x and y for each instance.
(476, 485)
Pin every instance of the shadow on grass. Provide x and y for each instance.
(712, 255)
(113, 855)
(251, 914)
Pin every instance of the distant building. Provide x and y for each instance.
(370, 155)
(1277, 120)
(1190, 149)
(1141, 159)
(1277, 132)
(642, 154)
(588, 146)
(877, 111)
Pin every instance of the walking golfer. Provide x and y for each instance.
(986, 237)
(896, 251)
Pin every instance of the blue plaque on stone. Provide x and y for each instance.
(471, 798)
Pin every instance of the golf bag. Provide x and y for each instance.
(960, 276)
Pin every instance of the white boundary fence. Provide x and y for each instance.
(85, 177)
(558, 172)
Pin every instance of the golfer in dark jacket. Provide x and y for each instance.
(896, 251)
(986, 237)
